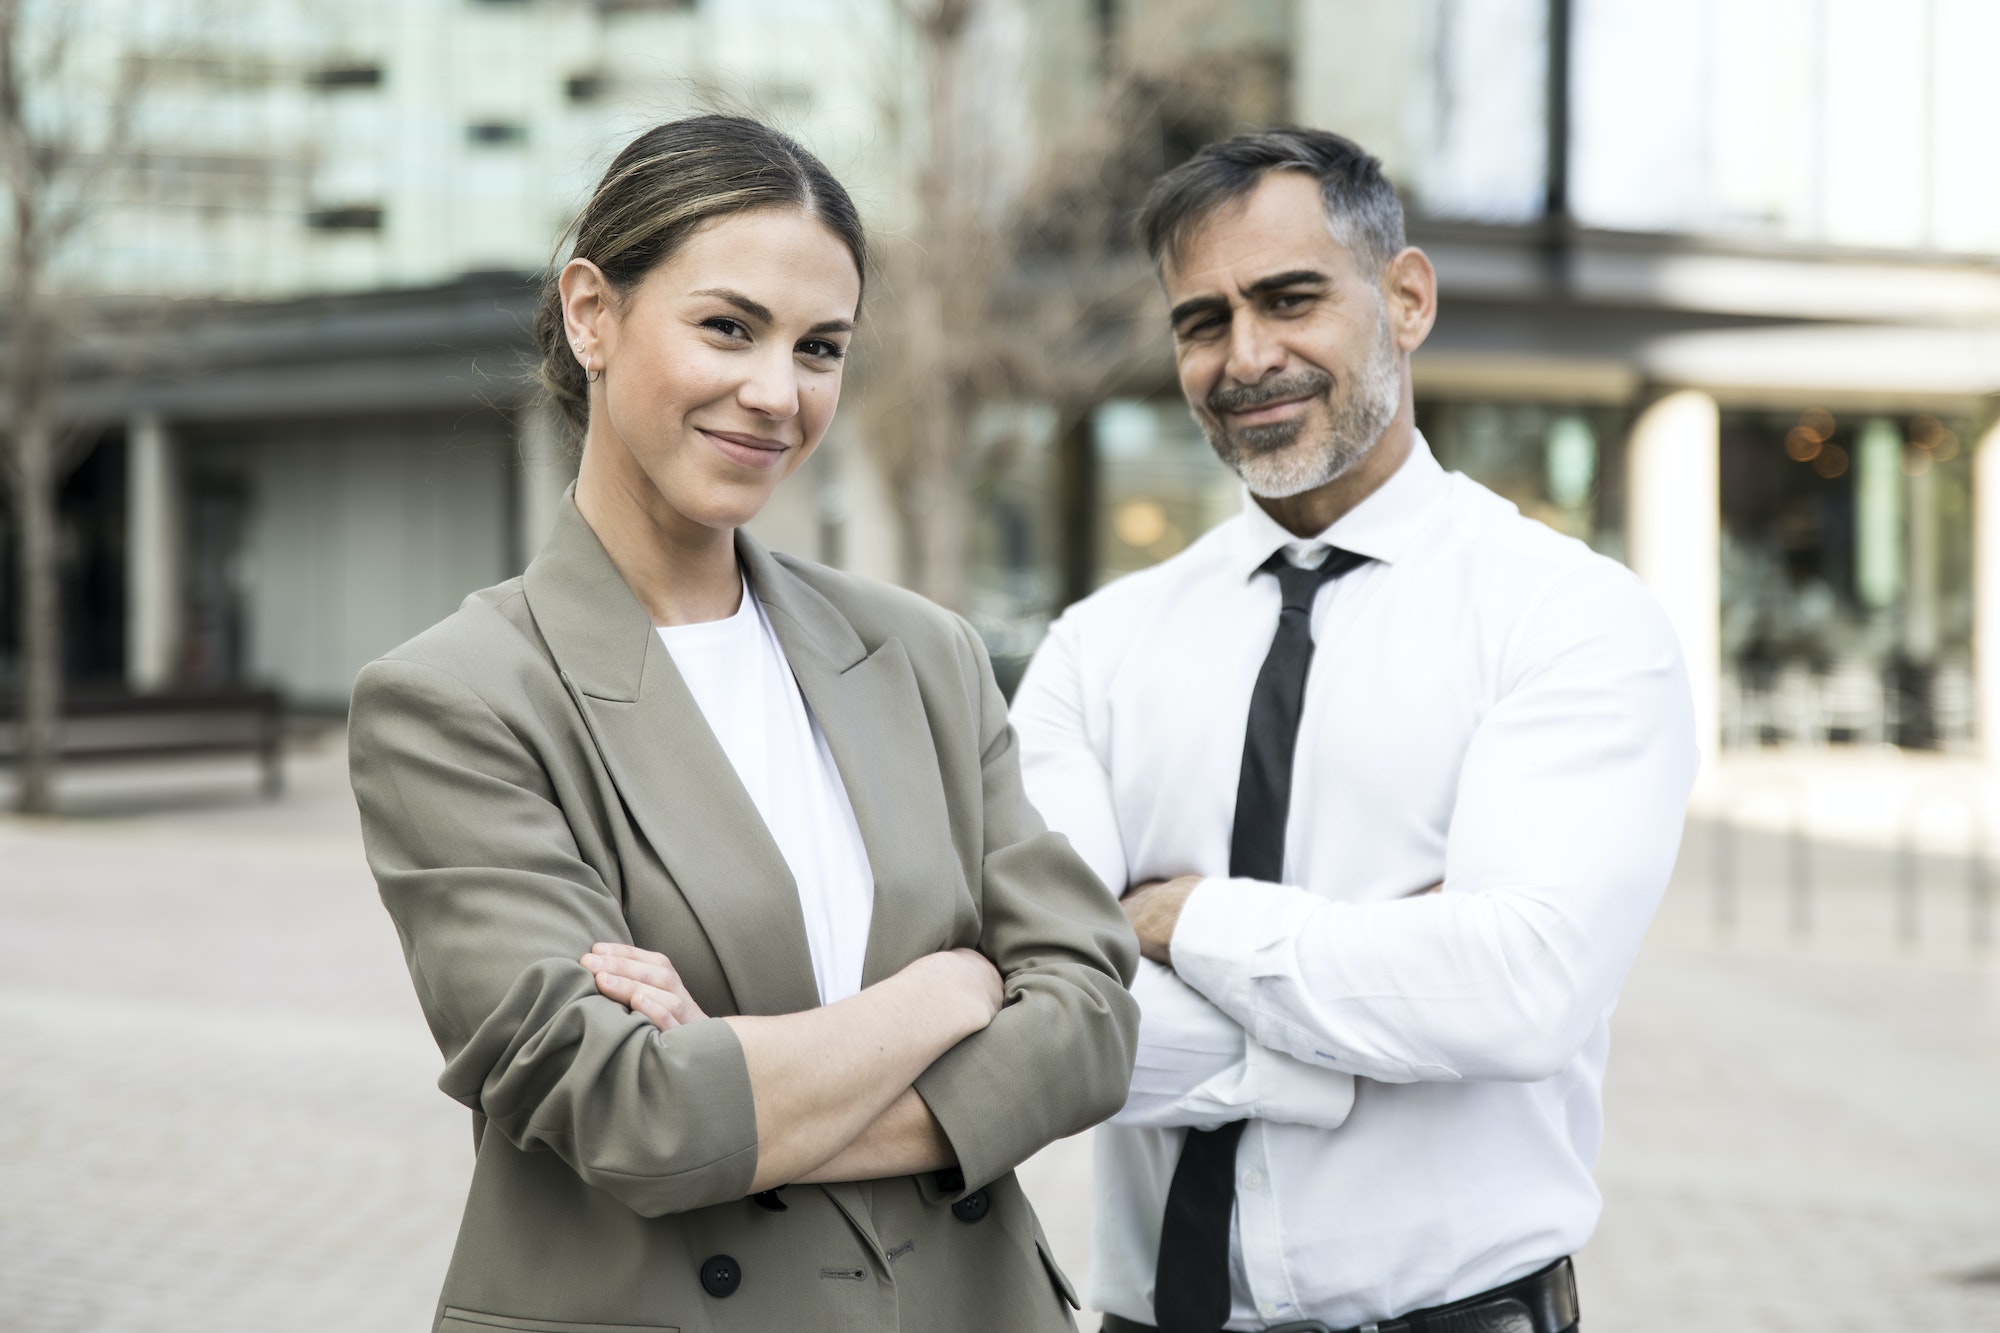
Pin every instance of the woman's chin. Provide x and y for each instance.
(723, 506)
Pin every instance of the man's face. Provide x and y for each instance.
(1284, 344)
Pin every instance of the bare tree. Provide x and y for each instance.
(57, 146)
(1016, 279)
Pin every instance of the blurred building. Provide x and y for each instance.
(1719, 297)
(308, 296)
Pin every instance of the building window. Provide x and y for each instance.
(346, 217)
(496, 133)
(1847, 599)
(587, 86)
(1558, 462)
(339, 77)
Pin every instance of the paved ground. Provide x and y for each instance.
(217, 1112)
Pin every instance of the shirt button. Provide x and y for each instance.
(1253, 1180)
(1269, 1309)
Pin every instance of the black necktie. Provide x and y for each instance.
(1191, 1284)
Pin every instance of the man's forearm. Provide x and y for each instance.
(904, 1140)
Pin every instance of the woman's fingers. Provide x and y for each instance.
(663, 1009)
(659, 1008)
(646, 969)
(650, 969)
(609, 949)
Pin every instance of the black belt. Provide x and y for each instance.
(1543, 1302)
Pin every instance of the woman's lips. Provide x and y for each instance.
(747, 450)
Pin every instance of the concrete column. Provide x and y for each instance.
(545, 467)
(1674, 535)
(1921, 567)
(1986, 591)
(154, 545)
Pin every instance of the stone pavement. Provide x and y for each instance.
(217, 1110)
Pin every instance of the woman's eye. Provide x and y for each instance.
(822, 350)
(727, 327)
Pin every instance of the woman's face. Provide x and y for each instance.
(721, 369)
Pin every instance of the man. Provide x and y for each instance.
(1391, 778)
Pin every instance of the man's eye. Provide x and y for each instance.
(1201, 328)
(1290, 300)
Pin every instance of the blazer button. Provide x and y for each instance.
(721, 1275)
(972, 1207)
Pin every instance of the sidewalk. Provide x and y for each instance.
(218, 1112)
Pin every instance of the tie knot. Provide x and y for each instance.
(1299, 586)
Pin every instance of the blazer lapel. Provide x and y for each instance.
(873, 716)
(673, 775)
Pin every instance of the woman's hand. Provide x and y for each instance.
(967, 979)
(644, 982)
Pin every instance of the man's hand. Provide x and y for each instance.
(1154, 909)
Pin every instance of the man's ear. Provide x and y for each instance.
(1410, 297)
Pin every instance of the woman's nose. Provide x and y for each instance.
(773, 391)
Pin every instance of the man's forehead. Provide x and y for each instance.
(1279, 227)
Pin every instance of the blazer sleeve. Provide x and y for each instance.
(1058, 1056)
(494, 904)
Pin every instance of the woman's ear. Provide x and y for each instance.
(588, 314)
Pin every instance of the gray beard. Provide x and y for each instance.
(1275, 463)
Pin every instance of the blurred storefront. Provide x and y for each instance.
(1793, 472)
(279, 492)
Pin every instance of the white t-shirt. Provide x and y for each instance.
(737, 672)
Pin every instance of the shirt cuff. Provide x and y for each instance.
(1224, 927)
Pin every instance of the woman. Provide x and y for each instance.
(713, 868)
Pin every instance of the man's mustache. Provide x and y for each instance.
(1305, 384)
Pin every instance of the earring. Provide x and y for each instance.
(589, 378)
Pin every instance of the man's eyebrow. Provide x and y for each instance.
(1298, 277)
(1198, 306)
(1277, 282)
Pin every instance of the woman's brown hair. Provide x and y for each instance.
(659, 190)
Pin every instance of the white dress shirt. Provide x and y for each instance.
(1492, 707)
(737, 672)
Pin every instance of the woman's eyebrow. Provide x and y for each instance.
(755, 309)
(760, 312)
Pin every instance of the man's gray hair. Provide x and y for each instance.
(1361, 205)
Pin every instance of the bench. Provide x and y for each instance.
(108, 726)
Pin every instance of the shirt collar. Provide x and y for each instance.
(1382, 527)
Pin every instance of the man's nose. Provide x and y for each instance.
(1253, 353)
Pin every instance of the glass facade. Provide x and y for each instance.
(1559, 463)
(1846, 578)
(1160, 484)
(1846, 561)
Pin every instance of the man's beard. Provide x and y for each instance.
(1272, 460)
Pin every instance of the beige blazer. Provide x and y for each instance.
(534, 776)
